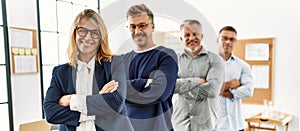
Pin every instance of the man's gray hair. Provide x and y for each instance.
(191, 22)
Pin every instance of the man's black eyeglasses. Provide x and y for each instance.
(141, 26)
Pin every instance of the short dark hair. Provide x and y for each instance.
(228, 28)
(191, 22)
(138, 9)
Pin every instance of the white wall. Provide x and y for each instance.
(26, 89)
(252, 19)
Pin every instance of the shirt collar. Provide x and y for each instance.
(81, 65)
(203, 51)
(136, 51)
(232, 58)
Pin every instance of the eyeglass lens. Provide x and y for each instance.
(141, 26)
(83, 32)
(225, 38)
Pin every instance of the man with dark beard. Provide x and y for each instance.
(151, 75)
(199, 81)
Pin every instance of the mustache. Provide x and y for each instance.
(188, 42)
(139, 34)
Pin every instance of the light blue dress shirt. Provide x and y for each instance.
(229, 111)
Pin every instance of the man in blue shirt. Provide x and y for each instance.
(238, 83)
(151, 75)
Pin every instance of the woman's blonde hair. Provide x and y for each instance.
(104, 52)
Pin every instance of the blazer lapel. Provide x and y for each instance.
(67, 79)
(107, 70)
(74, 76)
(101, 76)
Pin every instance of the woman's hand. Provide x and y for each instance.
(65, 100)
(109, 87)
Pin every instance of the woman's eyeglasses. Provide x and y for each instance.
(82, 32)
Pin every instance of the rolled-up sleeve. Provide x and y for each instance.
(246, 89)
(214, 79)
(183, 85)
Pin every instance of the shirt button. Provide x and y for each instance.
(190, 104)
(191, 116)
(190, 69)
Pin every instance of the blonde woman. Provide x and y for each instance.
(88, 93)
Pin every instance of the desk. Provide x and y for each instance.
(275, 121)
(40, 125)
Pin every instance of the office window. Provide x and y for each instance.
(3, 85)
(4, 123)
(47, 73)
(2, 51)
(56, 17)
(48, 15)
(1, 18)
(49, 48)
(6, 115)
(63, 41)
(64, 20)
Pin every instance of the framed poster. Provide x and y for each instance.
(24, 50)
(259, 54)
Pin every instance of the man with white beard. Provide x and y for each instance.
(200, 77)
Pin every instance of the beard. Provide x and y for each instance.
(192, 50)
(140, 39)
(194, 47)
(140, 34)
